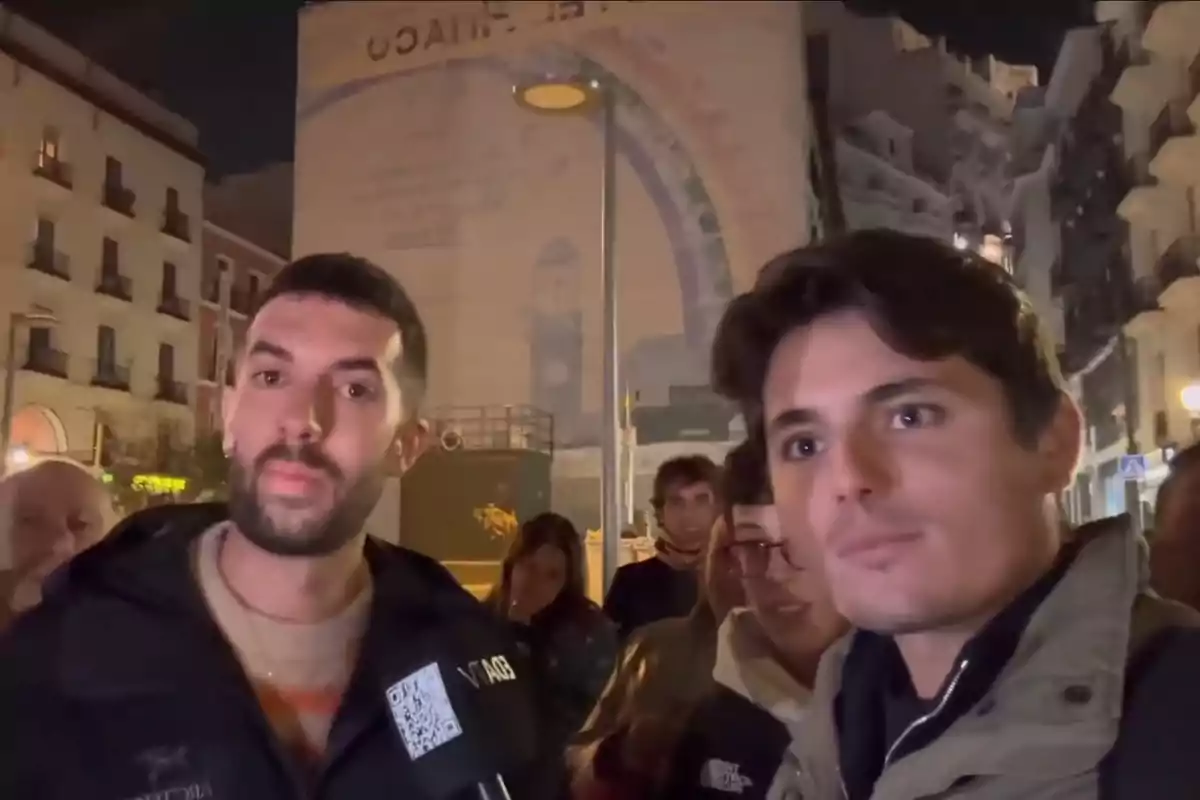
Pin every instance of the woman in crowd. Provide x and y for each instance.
(570, 643)
(50, 511)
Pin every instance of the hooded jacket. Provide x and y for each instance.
(736, 738)
(1084, 688)
(120, 685)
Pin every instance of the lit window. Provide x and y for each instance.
(50, 152)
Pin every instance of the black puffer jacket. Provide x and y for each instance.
(121, 685)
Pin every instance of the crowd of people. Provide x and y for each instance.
(875, 597)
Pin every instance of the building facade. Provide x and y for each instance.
(1069, 246)
(879, 185)
(100, 203)
(943, 120)
(411, 151)
(1158, 92)
(246, 239)
(234, 272)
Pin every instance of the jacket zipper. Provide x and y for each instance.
(919, 721)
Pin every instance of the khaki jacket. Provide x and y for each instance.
(1031, 739)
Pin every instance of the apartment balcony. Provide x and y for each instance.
(1147, 202)
(1140, 88)
(109, 374)
(47, 360)
(119, 199)
(1178, 161)
(1178, 271)
(1173, 30)
(210, 291)
(175, 306)
(1147, 317)
(171, 391)
(113, 284)
(177, 226)
(54, 173)
(45, 259)
(241, 300)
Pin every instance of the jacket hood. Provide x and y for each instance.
(746, 665)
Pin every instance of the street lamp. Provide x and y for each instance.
(1190, 398)
(576, 96)
(15, 321)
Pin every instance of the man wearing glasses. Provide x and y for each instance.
(767, 653)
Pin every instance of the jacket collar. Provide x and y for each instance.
(746, 666)
(1054, 708)
(139, 586)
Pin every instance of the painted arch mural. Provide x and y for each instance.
(490, 215)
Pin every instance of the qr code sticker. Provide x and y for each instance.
(422, 711)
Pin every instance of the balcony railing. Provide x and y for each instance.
(119, 199)
(494, 427)
(110, 375)
(177, 224)
(171, 391)
(55, 171)
(44, 258)
(114, 284)
(174, 306)
(47, 361)
(1180, 260)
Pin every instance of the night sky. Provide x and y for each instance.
(232, 70)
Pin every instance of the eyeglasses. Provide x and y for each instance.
(754, 558)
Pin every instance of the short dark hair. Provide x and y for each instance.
(923, 297)
(744, 478)
(365, 286)
(682, 471)
(1185, 462)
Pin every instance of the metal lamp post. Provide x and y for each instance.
(574, 96)
(15, 321)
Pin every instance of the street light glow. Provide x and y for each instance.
(557, 95)
(1190, 398)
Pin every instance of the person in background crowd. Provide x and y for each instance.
(571, 644)
(1175, 545)
(267, 650)
(54, 508)
(767, 653)
(917, 433)
(625, 748)
(685, 507)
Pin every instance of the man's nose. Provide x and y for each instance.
(857, 467)
(308, 416)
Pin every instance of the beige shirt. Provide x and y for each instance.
(299, 671)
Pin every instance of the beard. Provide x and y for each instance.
(299, 534)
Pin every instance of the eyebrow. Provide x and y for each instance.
(882, 393)
(357, 364)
